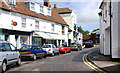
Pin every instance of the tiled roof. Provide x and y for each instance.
(63, 10)
(22, 8)
(86, 37)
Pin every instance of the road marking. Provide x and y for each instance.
(91, 65)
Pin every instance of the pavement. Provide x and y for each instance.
(103, 62)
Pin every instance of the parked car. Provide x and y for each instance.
(89, 44)
(51, 49)
(76, 46)
(32, 52)
(8, 55)
(64, 49)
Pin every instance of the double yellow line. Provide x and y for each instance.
(91, 65)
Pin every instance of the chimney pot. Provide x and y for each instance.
(55, 5)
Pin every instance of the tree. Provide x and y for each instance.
(84, 32)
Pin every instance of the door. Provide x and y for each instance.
(15, 54)
(8, 53)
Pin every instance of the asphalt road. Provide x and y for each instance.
(70, 62)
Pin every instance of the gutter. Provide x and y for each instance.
(110, 31)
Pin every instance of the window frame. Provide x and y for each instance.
(24, 22)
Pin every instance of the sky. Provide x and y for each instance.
(86, 10)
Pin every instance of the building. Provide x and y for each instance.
(95, 37)
(71, 19)
(109, 28)
(27, 23)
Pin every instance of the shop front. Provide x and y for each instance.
(17, 38)
(47, 38)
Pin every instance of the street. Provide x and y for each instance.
(64, 62)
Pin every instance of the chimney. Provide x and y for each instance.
(55, 6)
(47, 3)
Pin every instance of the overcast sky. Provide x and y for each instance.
(86, 10)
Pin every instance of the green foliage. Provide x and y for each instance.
(95, 30)
(84, 32)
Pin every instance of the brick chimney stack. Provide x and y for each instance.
(47, 3)
(55, 6)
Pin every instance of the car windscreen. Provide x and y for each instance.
(26, 47)
(47, 46)
(73, 43)
(87, 42)
(60, 45)
(36, 47)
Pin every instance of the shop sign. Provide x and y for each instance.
(14, 23)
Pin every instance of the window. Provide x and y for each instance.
(49, 10)
(24, 22)
(12, 47)
(12, 2)
(52, 27)
(7, 47)
(63, 30)
(41, 9)
(32, 6)
(37, 24)
(106, 13)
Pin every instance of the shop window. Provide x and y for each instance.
(52, 27)
(24, 22)
(41, 9)
(63, 30)
(37, 24)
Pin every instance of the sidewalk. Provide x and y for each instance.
(104, 62)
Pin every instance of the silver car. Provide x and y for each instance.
(50, 49)
(8, 55)
(76, 46)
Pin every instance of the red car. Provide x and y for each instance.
(64, 49)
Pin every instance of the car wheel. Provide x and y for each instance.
(45, 55)
(65, 52)
(34, 57)
(4, 67)
(53, 54)
(69, 51)
(58, 53)
(19, 62)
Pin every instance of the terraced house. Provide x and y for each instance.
(28, 22)
(109, 28)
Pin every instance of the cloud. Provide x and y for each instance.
(89, 14)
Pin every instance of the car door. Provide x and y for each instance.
(8, 53)
(15, 54)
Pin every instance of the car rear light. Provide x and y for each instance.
(30, 52)
(49, 50)
(76, 45)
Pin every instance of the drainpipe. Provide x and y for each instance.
(110, 31)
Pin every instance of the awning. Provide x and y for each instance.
(43, 35)
(49, 36)
(56, 36)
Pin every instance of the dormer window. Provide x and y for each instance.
(32, 6)
(12, 2)
(41, 9)
(49, 11)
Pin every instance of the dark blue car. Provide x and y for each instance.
(32, 52)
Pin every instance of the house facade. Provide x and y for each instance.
(71, 19)
(109, 28)
(30, 23)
